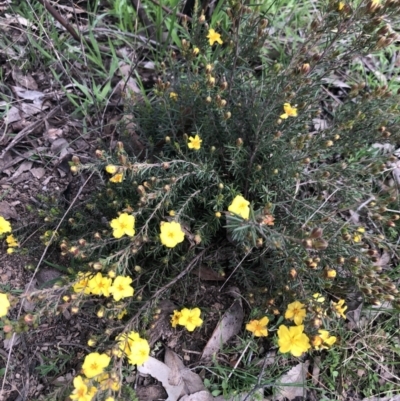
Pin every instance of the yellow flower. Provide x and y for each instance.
(173, 96)
(318, 297)
(81, 392)
(361, 229)
(323, 341)
(258, 327)
(195, 142)
(190, 318)
(171, 234)
(175, 318)
(340, 308)
(4, 304)
(83, 283)
(218, 215)
(121, 288)
(10, 250)
(125, 342)
(357, 238)
(293, 340)
(124, 224)
(139, 353)
(100, 285)
(172, 213)
(214, 37)
(110, 399)
(240, 206)
(111, 169)
(5, 226)
(340, 5)
(94, 364)
(289, 111)
(117, 178)
(296, 312)
(11, 241)
(195, 51)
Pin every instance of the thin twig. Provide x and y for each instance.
(60, 19)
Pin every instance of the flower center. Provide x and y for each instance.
(94, 366)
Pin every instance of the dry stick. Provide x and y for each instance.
(234, 270)
(27, 130)
(143, 17)
(34, 274)
(60, 19)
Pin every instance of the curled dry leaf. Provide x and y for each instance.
(162, 373)
(181, 374)
(229, 326)
(292, 384)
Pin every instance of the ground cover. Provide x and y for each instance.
(199, 206)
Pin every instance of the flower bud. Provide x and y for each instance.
(227, 115)
(316, 233)
(305, 69)
(319, 244)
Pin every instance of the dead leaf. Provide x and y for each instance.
(229, 326)
(7, 211)
(180, 373)
(161, 372)
(203, 395)
(292, 384)
(38, 172)
(25, 80)
(207, 274)
(59, 147)
(25, 166)
(53, 133)
(383, 260)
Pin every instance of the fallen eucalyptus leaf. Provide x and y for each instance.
(229, 326)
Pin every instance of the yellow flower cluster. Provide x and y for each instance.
(117, 176)
(102, 285)
(93, 367)
(136, 349)
(5, 227)
(189, 318)
(294, 340)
